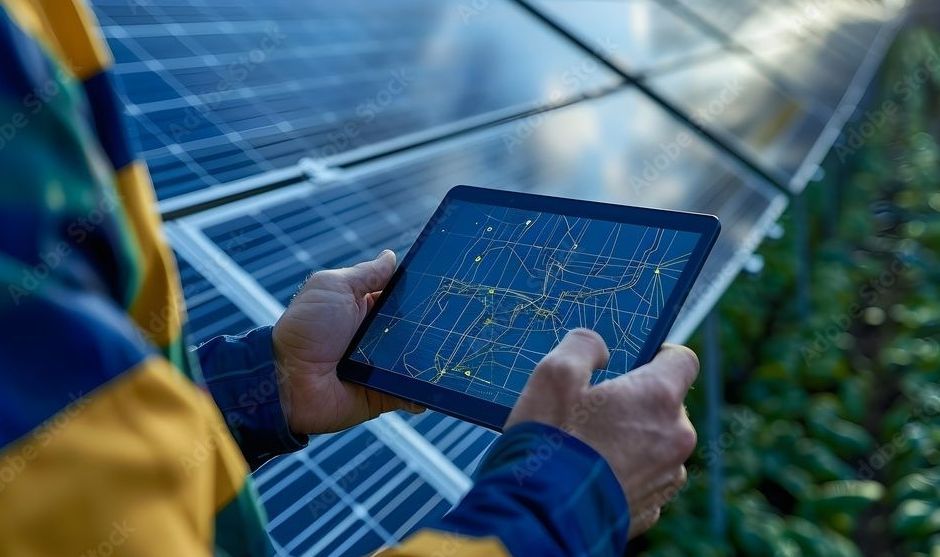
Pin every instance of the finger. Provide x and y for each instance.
(387, 403)
(642, 520)
(370, 276)
(574, 359)
(664, 489)
(395, 403)
(371, 299)
(657, 489)
(413, 408)
(677, 366)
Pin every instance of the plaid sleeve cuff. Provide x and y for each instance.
(544, 492)
(240, 373)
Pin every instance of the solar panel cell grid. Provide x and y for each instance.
(210, 314)
(220, 91)
(345, 492)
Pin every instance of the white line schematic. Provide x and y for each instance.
(494, 289)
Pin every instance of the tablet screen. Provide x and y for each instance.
(490, 290)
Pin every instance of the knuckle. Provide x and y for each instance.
(684, 440)
(650, 517)
(688, 359)
(663, 395)
(320, 277)
(558, 368)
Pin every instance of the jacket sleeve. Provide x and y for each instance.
(540, 492)
(240, 373)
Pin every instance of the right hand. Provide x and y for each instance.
(637, 421)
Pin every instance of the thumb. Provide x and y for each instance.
(371, 276)
(573, 360)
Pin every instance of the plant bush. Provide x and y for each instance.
(832, 419)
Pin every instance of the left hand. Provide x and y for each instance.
(312, 336)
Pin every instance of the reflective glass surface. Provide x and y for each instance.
(639, 35)
(221, 90)
(730, 96)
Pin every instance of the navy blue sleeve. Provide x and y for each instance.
(240, 373)
(544, 492)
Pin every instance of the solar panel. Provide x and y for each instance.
(815, 48)
(730, 96)
(822, 57)
(639, 35)
(346, 494)
(221, 90)
(620, 148)
(209, 312)
(738, 18)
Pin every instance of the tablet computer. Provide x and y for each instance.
(497, 278)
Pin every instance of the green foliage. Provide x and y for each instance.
(832, 421)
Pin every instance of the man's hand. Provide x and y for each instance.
(311, 337)
(637, 422)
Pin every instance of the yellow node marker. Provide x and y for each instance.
(492, 291)
(657, 271)
(386, 329)
(479, 258)
(467, 373)
(528, 222)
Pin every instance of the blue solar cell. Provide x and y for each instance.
(344, 494)
(220, 92)
(464, 444)
(210, 314)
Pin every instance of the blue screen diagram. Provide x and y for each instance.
(493, 289)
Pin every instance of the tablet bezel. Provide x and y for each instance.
(490, 414)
